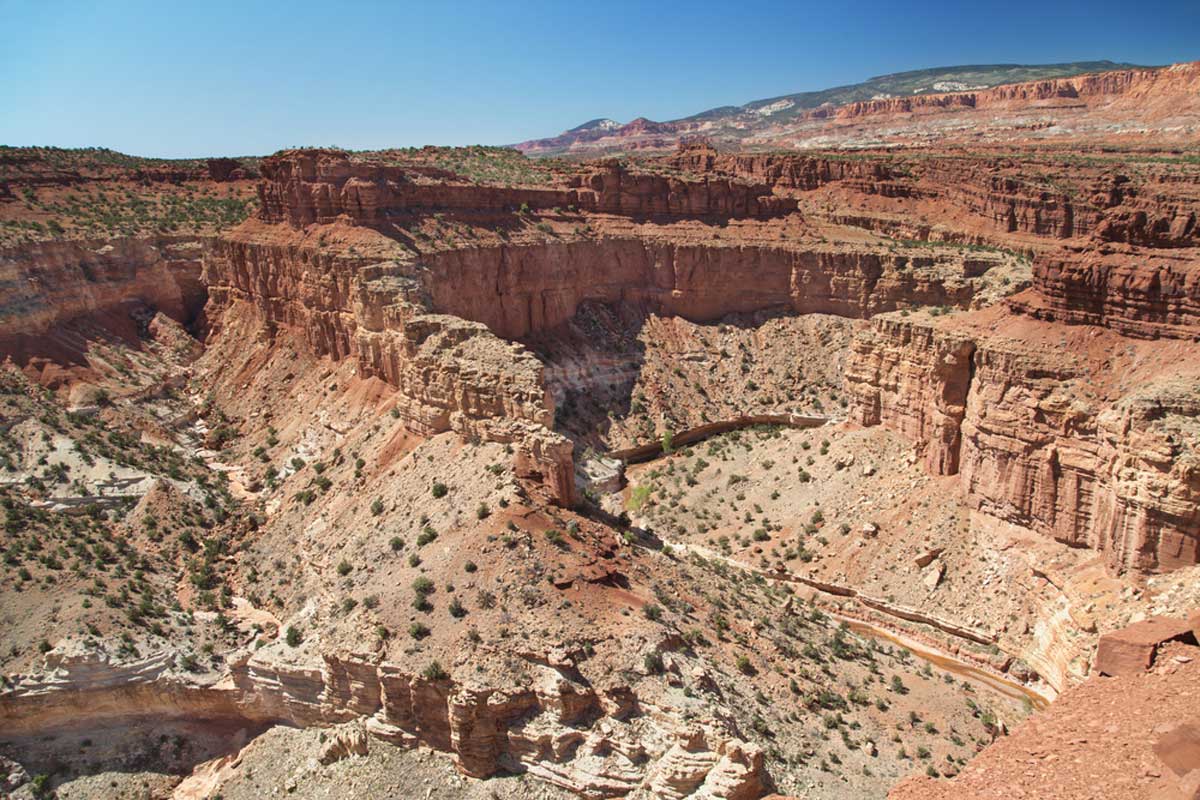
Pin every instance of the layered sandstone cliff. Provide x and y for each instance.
(1139, 292)
(439, 326)
(303, 187)
(433, 329)
(914, 379)
(1063, 197)
(450, 373)
(596, 742)
(46, 285)
(1037, 444)
(522, 290)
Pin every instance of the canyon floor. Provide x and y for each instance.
(689, 474)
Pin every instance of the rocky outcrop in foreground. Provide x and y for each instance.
(598, 743)
(1136, 736)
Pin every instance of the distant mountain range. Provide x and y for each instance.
(739, 122)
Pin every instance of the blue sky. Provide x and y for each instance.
(173, 79)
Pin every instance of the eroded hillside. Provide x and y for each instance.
(708, 474)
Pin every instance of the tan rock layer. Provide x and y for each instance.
(559, 729)
(1033, 447)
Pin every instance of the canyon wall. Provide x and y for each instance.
(788, 171)
(914, 379)
(450, 373)
(436, 329)
(522, 290)
(1139, 292)
(434, 325)
(303, 187)
(596, 742)
(1117, 477)
(1034, 444)
(46, 285)
(1154, 203)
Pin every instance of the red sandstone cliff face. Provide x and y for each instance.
(914, 379)
(1144, 293)
(519, 291)
(432, 329)
(1035, 443)
(1121, 478)
(791, 171)
(450, 373)
(49, 283)
(1152, 204)
(47, 286)
(307, 186)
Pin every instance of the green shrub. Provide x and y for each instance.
(434, 672)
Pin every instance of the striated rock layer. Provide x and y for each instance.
(307, 186)
(1056, 197)
(1035, 444)
(520, 291)
(47, 285)
(558, 728)
(914, 378)
(434, 325)
(1145, 293)
(450, 373)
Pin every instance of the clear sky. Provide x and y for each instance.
(170, 78)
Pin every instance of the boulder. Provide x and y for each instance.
(926, 558)
(1131, 649)
(343, 743)
(1179, 748)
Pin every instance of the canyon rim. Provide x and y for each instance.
(844, 444)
